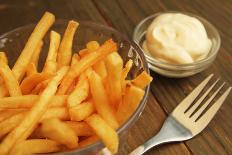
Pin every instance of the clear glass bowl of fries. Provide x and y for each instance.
(14, 41)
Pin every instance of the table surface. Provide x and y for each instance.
(165, 93)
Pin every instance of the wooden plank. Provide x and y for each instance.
(216, 139)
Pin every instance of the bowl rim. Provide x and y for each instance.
(133, 118)
(186, 65)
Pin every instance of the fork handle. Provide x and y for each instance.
(171, 131)
(154, 141)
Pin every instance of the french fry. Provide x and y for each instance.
(34, 115)
(79, 94)
(54, 46)
(86, 62)
(16, 117)
(88, 141)
(50, 64)
(101, 102)
(27, 101)
(24, 59)
(99, 67)
(59, 131)
(75, 59)
(7, 113)
(84, 52)
(34, 146)
(80, 128)
(72, 87)
(81, 111)
(92, 46)
(39, 32)
(114, 64)
(142, 80)
(40, 87)
(56, 112)
(127, 69)
(7, 125)
(31, 69)
(36, 54)
(3, 90)
(30, 82)
(104, 132)
(125, 72)
(129, 104)
(10, 81)
(3, 57)
(65, 49)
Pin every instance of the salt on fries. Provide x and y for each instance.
(81, 95)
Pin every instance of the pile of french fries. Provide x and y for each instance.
(76, 100)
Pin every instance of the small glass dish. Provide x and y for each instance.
(14, 41)
(178, 70)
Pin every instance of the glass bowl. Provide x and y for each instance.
(178, 70)
(13, 42)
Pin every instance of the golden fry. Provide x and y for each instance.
(84, 52)
(16, 117)
(31, 69)
(101, 102)
(79, 94)
(7, 125)
(81, 111)
(75, 59)
(10, 81)
(80, 128)
(56, 112)
(92, 46)
(129, 104)
(114, 64)
(3, 57)
(39, 32)
(99, 67)
(7, 113)
(4, 60)
(142, 80)
(30, 82)
(34, 146)
(34, 115)
(125, 72)
(36, 54)
(65, 49)
(86, 62)
(104, 132)
(50, 65)
(27, 101)
(59, 131)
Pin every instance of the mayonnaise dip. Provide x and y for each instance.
(177, 38)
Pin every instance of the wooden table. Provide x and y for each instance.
(165, 93)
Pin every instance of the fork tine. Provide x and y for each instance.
(194, 107)
(207, 117)
(192, 96)
(198, 113)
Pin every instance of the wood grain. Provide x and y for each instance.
(165, 93)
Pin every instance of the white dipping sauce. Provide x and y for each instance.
(177, 38)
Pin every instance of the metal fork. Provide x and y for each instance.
(184, 123)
